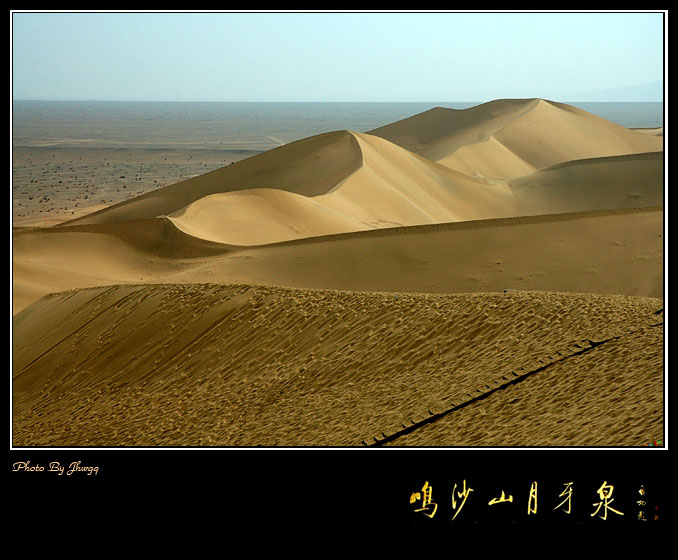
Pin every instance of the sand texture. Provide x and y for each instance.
(241, 365)
(485, 277)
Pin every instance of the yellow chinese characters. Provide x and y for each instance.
(605, 493)
(567, 494)
(532, 500)
(501, 499)
(428, 506)
(460, 494)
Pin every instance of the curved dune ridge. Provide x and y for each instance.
(308, 167)
(241, 365)
(492, 276)
(392, 187)
(511, 138)
(612, 252)
(331, 183)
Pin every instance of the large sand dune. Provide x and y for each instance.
(392, 187)
(331, 183)
(345, 181)
(511, 138)
(240, 365)
(476, 277)
(308, 167)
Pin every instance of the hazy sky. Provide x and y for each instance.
(333, 56)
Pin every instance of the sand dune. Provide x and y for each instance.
(391, 188)
(345, 181)
(439, 132)
(308, 167)
(510, 138)
(241, 365)
(331, 183)
(46, 260)
(628, 181)
(259, 216)
(366, 182)
(608, 252)
(611, 252)
(491, 276)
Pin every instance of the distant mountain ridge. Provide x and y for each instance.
(646, 92)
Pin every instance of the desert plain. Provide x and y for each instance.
(486, 277)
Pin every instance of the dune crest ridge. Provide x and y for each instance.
(508, 138)
(308, 167)
(391, 187)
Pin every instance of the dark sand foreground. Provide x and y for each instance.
(207, 364)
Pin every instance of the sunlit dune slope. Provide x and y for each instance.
(146, 365)
(618, 251)
(512, 137)
(392, 187)
(258, 216)
(331, 183)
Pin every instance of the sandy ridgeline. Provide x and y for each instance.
(485, 277)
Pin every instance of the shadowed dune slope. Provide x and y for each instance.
(512, 137)
(610, 252)
(242, 365)
(47, 260)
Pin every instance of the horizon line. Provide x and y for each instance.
(318, 101)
